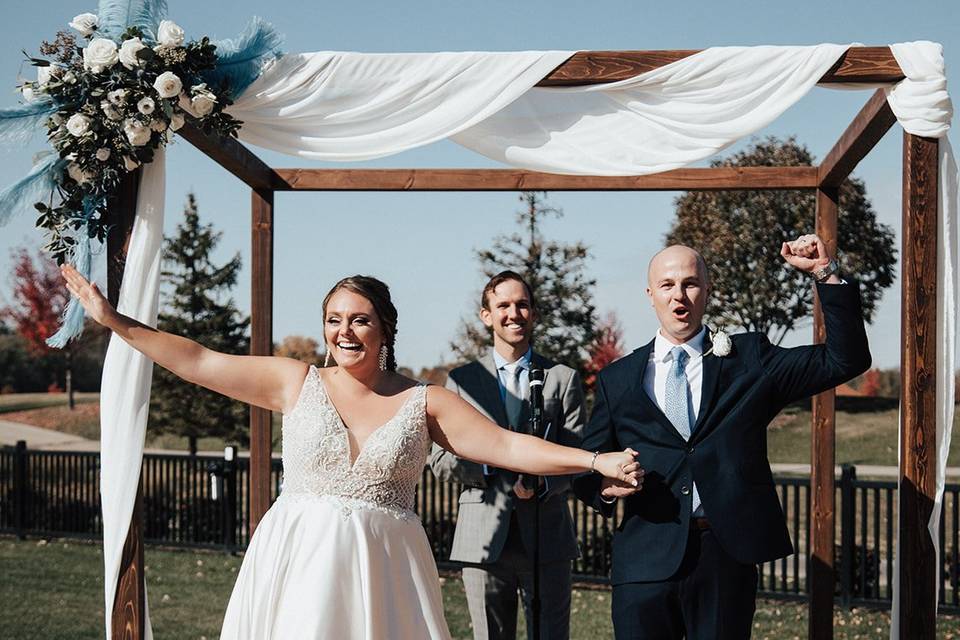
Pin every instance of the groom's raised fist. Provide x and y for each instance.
(806, 253)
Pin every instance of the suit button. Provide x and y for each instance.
(685, 490)
(690, 449)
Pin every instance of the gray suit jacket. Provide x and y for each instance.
(487, 501)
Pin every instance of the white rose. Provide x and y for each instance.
(137, 133)
(77, 174)
(110, 111)
(103, 154)
(128, 52)
(203, 104)
(100, 54)
(43, 75)
(158, 125)
(146, 106)
(85, 23)
(168, 84)
(722, 345)
(69, 77)
(78, 124)
(117, 96)
(169, 34)
(129, 163)
(176, 121)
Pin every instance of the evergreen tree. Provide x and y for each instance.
(556, 274)
(197, 305)
(739, 234)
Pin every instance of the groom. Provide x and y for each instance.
(496, 516)
(686, 550)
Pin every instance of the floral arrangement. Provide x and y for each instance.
(114, 103)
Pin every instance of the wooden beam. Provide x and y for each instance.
(866, 130)
(261, 344)
(129, 603)
(918, 369)
(858, 64)
(234, 157)
(518, 180)
(822, 456)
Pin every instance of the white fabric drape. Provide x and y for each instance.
(351, 106)
(923, 108)
(125, 388)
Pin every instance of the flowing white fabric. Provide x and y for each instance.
(351, 106)
(924, 108)
(125, 388)
(663, 119)
(355, 106)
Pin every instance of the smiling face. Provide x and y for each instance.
(509, 312)
(352, 331)
(678, 286)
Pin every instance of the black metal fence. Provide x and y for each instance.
(203, 501)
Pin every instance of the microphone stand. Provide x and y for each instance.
(536, 429)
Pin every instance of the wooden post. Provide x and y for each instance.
(261, 343)
(822, 456)
(129, 604)
(918, 359)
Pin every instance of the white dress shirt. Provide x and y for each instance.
(655, 382)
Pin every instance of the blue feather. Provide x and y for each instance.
(240, 60)
(18, 124)
(36, 186)
(72, 324)
(117, 15)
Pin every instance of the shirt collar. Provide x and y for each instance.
(524, 360)
(693, 346)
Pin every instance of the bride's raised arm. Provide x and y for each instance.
(264, 381)
(459, 428)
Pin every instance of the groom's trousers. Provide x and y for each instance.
(710, 597)
(492, 593)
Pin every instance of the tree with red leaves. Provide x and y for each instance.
(39, 298)
(606, 347)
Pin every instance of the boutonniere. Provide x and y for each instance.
(721, 344)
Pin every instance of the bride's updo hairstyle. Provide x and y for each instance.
(378, 294)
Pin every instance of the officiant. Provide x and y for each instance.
(494, 536)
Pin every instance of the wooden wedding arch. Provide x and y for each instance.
(918, 462)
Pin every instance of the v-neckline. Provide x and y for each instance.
(346, 430)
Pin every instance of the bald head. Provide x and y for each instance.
(678, 284)
(676, 253)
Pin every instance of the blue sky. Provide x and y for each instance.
(421, 244)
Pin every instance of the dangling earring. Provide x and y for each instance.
(327, 359)
(382, 359)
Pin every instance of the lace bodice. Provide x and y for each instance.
(316, 453)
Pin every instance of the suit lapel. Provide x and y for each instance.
(488, 391)
(708, 386)
(641, 358)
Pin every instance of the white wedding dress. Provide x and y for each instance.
(341, 555)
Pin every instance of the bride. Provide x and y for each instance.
(341, 554)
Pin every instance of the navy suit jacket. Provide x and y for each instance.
(727, 452)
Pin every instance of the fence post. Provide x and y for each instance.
(230, 497)
(20, 489)
(848, 525)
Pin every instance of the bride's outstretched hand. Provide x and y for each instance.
(88, 294)
(620, 465)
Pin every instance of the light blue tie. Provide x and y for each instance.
(676, 399)
(677, 406)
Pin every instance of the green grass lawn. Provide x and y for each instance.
(26, 401)
(54, 590)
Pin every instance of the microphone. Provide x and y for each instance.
(536, 401)
(536, 419)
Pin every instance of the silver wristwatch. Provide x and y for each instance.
(822, 274)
